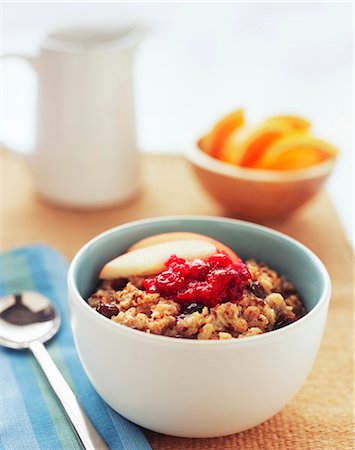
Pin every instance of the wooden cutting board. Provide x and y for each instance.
(320, 415)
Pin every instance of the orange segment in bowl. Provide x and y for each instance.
(233, 147)
(213, 141)
(291, 122)
(296, 151)
(244, 148)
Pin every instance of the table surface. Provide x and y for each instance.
(320, 415)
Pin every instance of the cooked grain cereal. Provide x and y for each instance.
(269, 301)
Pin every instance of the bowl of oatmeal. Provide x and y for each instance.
(197, 327)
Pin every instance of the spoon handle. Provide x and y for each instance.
(88, 436)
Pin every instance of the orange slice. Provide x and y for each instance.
(213, 141)
(246, 146)
(293, 123)
(296, 151)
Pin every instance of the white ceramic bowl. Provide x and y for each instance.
(196, 388)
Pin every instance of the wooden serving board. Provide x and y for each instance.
(320, 416)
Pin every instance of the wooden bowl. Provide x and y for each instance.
(254, 194)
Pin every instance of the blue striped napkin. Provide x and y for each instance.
(31, 417)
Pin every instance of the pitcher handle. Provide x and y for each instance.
(33, 61)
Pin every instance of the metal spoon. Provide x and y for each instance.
(28, 319)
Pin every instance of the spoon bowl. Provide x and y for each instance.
(27, 317)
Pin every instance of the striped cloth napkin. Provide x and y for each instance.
(31, 417)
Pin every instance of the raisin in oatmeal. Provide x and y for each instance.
(217, 299)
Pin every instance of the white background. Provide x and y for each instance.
(201, 60)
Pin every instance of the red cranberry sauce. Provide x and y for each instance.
(214, 281)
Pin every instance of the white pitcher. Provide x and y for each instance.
(86, 153)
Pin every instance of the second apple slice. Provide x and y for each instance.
(151, 260)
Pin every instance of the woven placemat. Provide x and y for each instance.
(320, 416)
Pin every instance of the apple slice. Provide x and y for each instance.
(151, 260)
(182, 236)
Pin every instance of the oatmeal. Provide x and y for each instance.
(219, 297)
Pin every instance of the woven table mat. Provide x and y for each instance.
(320, 415)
